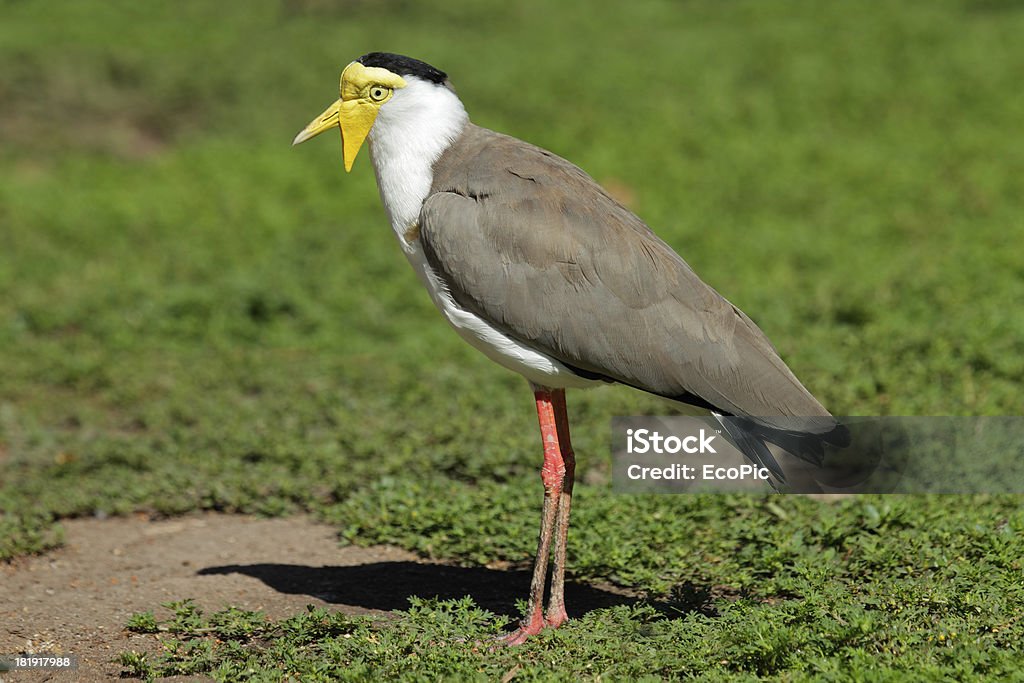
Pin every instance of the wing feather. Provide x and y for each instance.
(531, 243)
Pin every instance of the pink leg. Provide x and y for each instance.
(552, 474)
(556, 615)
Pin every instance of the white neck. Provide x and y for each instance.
(411, 132)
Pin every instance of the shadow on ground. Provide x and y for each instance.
(388, 585)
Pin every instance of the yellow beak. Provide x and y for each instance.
(353, 117)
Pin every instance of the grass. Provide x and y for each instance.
(195, 316)
(786, 589)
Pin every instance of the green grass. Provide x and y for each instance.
(195, 316)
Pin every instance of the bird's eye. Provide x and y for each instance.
(379, 94)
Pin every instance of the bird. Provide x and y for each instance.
(538, 267)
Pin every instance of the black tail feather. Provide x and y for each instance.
(751, 446)
(752, 438)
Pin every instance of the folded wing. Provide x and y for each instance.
(532, 244)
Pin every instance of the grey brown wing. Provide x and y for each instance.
(534, 246)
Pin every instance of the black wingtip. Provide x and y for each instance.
(838, 437)
(753, 448)
(752, 438)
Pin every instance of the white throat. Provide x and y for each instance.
(411, 132)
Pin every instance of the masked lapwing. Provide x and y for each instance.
(540, 269)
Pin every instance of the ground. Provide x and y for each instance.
(77, 599)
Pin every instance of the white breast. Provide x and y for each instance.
(410, 133)
(535, 366)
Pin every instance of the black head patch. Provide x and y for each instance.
(403, 66)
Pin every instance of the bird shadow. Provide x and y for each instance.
(387, 586)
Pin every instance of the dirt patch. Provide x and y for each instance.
(76, 600)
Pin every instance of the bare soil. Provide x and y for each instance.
(77, 599)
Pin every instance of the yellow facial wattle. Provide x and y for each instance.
(363, 91)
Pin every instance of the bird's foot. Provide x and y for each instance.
(556, 616)
(528, 627)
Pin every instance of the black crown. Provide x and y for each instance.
(403, 66)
